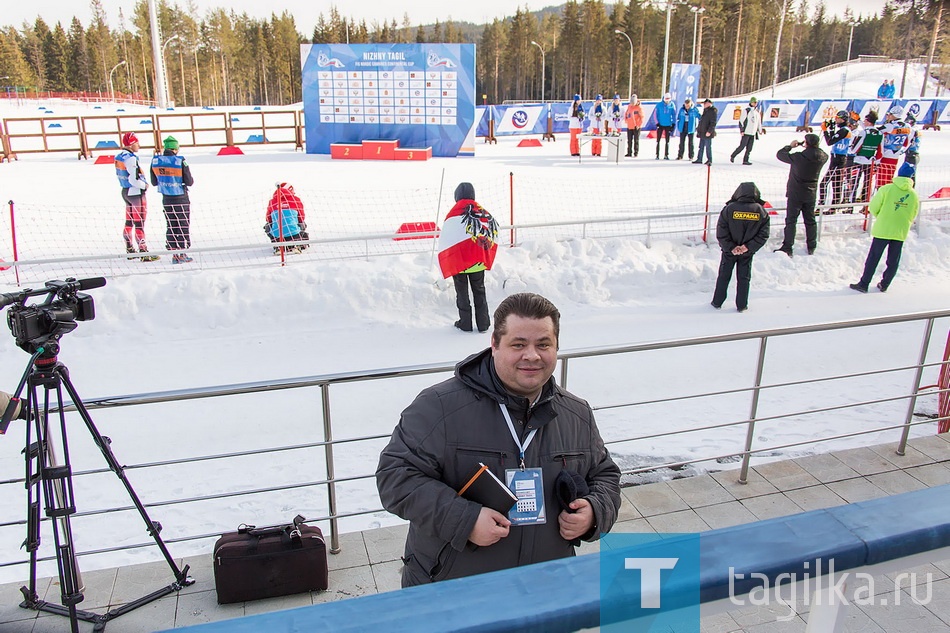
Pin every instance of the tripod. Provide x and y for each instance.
(49, 484)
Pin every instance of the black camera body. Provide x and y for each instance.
(41, 325)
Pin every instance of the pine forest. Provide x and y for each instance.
(223, 58)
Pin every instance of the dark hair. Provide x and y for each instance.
(527, 305)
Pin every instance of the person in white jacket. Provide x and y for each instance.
(750, 124)
(576, 124)
(133, 183)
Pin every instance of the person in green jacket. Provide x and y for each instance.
(894, 208)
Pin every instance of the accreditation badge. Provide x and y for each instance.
(528, 486)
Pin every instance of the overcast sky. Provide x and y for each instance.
(305, 12)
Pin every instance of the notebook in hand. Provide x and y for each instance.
(486, 488)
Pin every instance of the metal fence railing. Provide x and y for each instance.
(648, 418)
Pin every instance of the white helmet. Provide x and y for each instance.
(896, 111)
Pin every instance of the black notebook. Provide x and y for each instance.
(486, 488)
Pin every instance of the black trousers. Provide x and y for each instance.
(177, 226)
(805, 208)
(746, 142)
(477, 281)
(835, 175)
(683, 137)
(661, 131)
(633, 140)
(743, 267)
(894, 248)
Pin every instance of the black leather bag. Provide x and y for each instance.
(255, 563)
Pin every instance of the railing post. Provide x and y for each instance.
(750, 432)
(511, 206)
(331, 476)
(563, 381)
(902, 445)
(16, 258)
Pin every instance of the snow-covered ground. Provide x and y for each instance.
(205, 326)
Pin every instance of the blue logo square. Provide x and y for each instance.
(649, 583)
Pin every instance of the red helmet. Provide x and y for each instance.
(128, 138)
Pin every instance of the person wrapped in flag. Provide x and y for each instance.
(286, 220)
(467, 247)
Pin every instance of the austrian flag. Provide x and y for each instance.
(467, 239)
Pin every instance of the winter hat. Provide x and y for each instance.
(907, 170)
(171, 142)
(753, 100)
(128, 138)
(667, 96)
(284, 185)
(599, 97)
(633, 98)
(896, 111)
(707, 100)
(812, 140)
(465, 191)
(871, 117)
(577, 97)
(616, 96)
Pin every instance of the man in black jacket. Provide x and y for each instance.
(802, 190)
(743, 229)
(706, 131)
(502, 409)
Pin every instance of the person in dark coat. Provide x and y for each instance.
(501, 408)
(706, 131)
(802, 190)
(743, 229)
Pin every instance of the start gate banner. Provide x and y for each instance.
(422, 95)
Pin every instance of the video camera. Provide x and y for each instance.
(41, 325)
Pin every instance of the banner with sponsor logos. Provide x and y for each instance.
(422, 95)
(532, 118)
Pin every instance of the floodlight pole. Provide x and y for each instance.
(161, 89)
(696, 11)
(542, 68)
(844, 84)
(778, 44)
(630, 71)
(111, 88)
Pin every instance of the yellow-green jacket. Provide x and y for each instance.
(894, 208)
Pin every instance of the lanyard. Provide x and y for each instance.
(511, 427)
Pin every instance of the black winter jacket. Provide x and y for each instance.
(743, 221)
(803, 175)
(707, 122)
(451, 427)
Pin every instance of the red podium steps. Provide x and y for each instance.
(378, 150)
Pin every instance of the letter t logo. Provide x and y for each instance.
(650, 569)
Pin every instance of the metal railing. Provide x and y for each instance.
(572, 369)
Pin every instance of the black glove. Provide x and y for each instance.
(568, 487)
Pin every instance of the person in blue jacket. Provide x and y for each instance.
(665, 116)
(172, 175)
(686, 119)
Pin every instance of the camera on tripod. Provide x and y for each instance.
(41, 325)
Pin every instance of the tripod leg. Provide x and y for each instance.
(33, 496)
(154, 527)
(44, 470)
